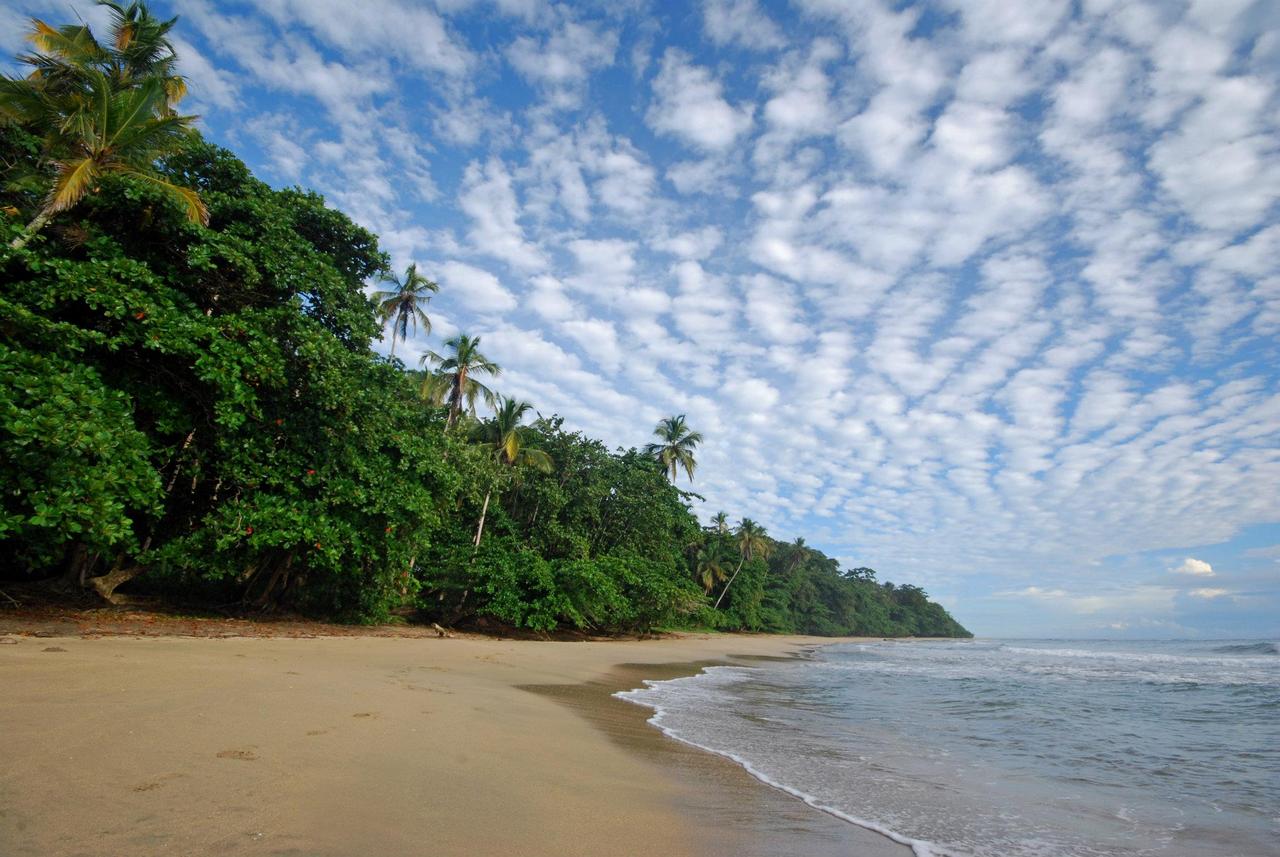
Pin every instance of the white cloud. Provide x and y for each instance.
(13, 28)
(548, 299)
(772, 309)
(206, 83)
(1208, 593)
(1195, 567)
(489, 198)
(689, 103)
(1036, 592)
(800, 102)
(707, 175)
(472, 289)
(1220, 165)
(695, 244)
(411, 33)
(1144, 601)
(598, 339)
(974, 134)
(562, 62)
(568, 55)
(740, 22)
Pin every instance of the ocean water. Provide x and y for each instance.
(1010, 748)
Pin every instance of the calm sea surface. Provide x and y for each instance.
(1011, 748)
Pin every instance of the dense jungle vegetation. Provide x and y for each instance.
(190, 406)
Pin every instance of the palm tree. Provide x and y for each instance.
(719, 523)
(509, 438)
(676, 448)
(709, 565)
(403, 304)
(435, 388)
(456, 373)
(752, 542)
(100, 111)
(509, 442)
(796, 553)
(139, 48)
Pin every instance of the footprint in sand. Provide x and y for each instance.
(314, 732)
(147, 787)
(53, 649)
(242, 755)
(366, 714)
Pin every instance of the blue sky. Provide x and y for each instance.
(981, 294)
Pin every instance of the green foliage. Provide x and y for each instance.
(199, 404)
(73, 466)
(98, 109)
(204, 400)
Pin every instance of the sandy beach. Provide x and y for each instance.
(362, 745)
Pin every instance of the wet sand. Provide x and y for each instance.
(366, 745)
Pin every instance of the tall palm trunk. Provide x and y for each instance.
(484, 510)
(33, 227)
(730, 583)
(455, 399)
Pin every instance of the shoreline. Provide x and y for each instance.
(883, 834)
(369, 744)
(780, 821)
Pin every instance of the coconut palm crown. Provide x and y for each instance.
(100, 110)
(453, 380)
(138, 48)
(403, 304)
(677, 443)
(510, 439)
(711, 565)
(751, 539)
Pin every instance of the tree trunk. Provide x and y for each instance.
(730, 583)
(107, 584)
(32, 228)
(78, 565)
(483, 511)
(173, 477)
(281, 573)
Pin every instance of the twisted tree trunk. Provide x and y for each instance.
(107, 584)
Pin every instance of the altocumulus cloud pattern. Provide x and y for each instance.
(982, 294)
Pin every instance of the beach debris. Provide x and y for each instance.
(8, 641)
(53, 649)
(440, 632)
(242, 755)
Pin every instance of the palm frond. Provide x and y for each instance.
(72, 183)
(194, 207)
(538, 460)
(434, 389)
